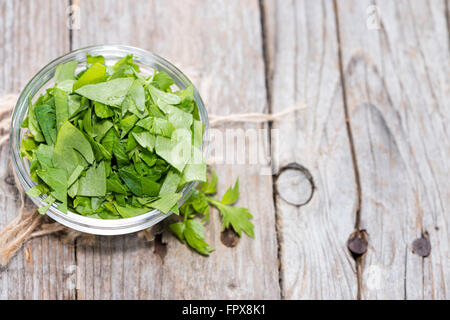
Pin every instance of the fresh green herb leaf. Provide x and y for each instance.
(50, 200)
(56, 179)
(94, 183)
(231, 195)
(129, 211)
(159, 95)
(69, 140)
(43, 155)
(33, 124)
(162, 80)
(127, 123)
(131, 179)
(65, 71)
(37, 190)
(110, 92)
(195, 169)
(171, 183)
(90, 60)
(46, 118)
(95, 74)
(102, 110)
(210, 186)
(145, 139)
(62, 107)
(177, 117)
(236, 217)
(166, 202)
(177, 153)
(114, 184)
(191, 231)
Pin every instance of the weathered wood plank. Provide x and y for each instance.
(219, 46)
(32, 33)
(397, 81)
(303, 56)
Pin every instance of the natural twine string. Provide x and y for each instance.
(30, 224)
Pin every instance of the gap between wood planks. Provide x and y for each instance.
(358, 258)
(71, 41)
(268, 86)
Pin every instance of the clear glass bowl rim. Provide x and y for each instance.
(73, 220)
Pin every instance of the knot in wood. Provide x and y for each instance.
(10, 180)
(295, 184)
(229, 238)
(358, 243)
(422, 247)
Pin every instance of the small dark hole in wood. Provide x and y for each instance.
(160, 247)
(422, 247)
(229, 238)
(357, 243)
(232, 285)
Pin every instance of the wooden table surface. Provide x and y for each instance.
(375, 77)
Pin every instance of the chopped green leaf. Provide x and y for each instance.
(95, 74)
(191, 231)
(102, 110)
(90, 60)
(110, 92)
(56, 179)
(236, 217)
(159, 95)
(232, 194)
(177, 153)
(162, 80)
(50, 200)
(145, 139)
(46, 118)
(195, 169)
(166, 202)
(171, 183)
(108, 142)
(94, 183)
(129, 211)
(210, 186)
(62, 107)
(36, 191)
(69, 140)
(65, 71)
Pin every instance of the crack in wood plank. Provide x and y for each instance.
(305, 66)
(353, 152)
(396, 91)
(268, 74)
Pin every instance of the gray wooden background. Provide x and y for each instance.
(375, 77)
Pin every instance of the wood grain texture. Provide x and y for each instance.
(397, 91)
(303, 58)
(30, 37)
(394, 60)
(218, 44)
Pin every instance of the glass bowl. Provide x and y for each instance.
(147, 62)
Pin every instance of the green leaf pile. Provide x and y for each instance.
(109, 143)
